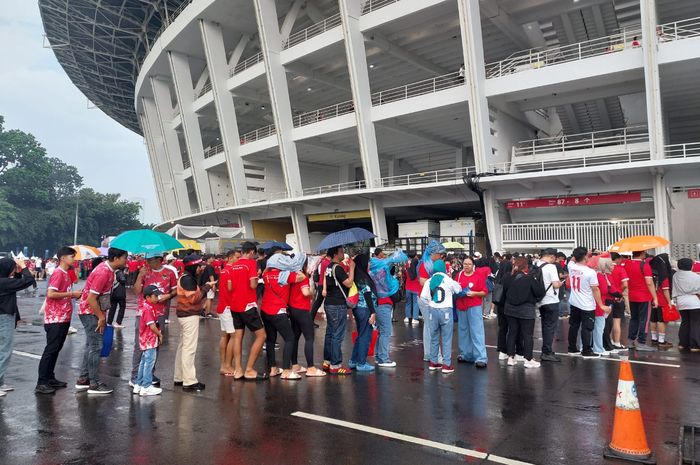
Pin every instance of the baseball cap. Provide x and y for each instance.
(477, 254)
(151, 290)
(169, 257)
(192, 259)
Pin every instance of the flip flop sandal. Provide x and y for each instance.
(316, 374)
(301, 370)
(275, 372)
(258, 377)
(291, 377)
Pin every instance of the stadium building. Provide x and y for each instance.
(564, 121)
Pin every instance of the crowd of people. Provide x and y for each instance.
(276, 295)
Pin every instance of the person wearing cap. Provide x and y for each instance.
(190, 302)
(153, 273)
(150, 338)
(641, 292)
(549, 305)
(170, 264)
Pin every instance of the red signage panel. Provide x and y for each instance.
(577, 201)
(694, 193)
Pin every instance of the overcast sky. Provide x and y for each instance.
(36, 96)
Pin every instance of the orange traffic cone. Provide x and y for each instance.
(629, 440)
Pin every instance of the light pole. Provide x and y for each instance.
(75, 231)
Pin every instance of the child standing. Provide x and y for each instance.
(150, 338)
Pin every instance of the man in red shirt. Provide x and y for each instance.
(620, 281)
(226, 342)
(152, 273)
(57, 315)
(243, 303)
(641, 293)
(94, 301)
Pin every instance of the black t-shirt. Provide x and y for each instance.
(206, 274)
(334, 296)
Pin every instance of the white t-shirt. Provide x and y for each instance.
(549, 275)
(447, 288)
(582, 280)
(50, 267)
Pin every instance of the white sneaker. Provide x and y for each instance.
(502, 356)
(604, 353)
(72, 330)
(150, 391)
(532, 363)
(519, 358)
(416, 322)
(405, 320)
(389, 364)
(511, 362)
(6, 388)
(137, 389)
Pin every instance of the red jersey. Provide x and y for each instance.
(696, 267)
(637, 271)
(59, 310)
(243, 297)
(618, 276)
(477, 283)
(422, 272)
(412, 285)
(165, 280)
(72, 275)
(276, 297)
(179, 266)
(99, 282)
(660, 293)
(296, 298)
(606, 286)
(132, 266)
(225, 296)
(147, 338)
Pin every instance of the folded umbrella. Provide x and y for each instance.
(145, 241)
(638, 244)
(344, 237)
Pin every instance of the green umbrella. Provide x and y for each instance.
(145, 241)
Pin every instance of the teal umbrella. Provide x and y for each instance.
(145, 241)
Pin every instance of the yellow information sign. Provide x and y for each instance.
(339, 215)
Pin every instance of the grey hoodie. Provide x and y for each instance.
(686, 287)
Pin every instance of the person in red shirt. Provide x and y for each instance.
(132, 267)
(152, 273)
(150, 338)
(619, 280)
(300, 316)
(641, 292)
(696, 267)
(57, 315)
(243, 303)
(472, 342)
(223, 308)
(411, 310)
(661, 271)
(94, 301)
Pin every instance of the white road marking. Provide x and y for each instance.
(640, 362)
(27, 354)
(411, 439)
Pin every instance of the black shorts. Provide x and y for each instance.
(249, 319)
(618, 309)
(657, 315)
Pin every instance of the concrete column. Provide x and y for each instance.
(662, 223)
(246, 223)
(376, 211)
(159, 160)
(493, 220)
(271, 44)
(171, 144)
(301, 229)
(215, 52)
(652, 83)
(350, 12)
(461, 157)
(184, 91)
(152, 160)
(475, 79)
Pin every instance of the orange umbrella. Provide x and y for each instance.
(638, 244)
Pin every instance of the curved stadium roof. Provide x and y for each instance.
(101, 44)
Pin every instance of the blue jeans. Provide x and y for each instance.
(364, 336)
(7, 335)
(381, 352)
(93, 347)
(148, 361)
(598, 334)
(336, 320)
(472, 345)
(441, 324)
(411, 310)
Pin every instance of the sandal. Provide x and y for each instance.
(316, 373)
(258, 377)
(301, 370)
(291, 376)
(275, 371)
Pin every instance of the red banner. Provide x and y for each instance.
(577, 201)
(694, 193)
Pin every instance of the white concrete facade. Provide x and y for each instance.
(323, 106)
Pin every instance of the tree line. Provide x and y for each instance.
(38, 196)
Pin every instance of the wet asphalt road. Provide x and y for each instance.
(559, 414)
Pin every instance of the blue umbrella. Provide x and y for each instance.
(344, 237)
(274, 244)
(145, 241)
